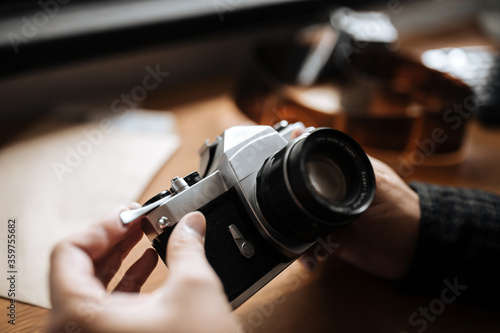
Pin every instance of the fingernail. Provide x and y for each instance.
(195, 223)
(133, 205)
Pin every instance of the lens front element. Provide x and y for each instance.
(326, 178)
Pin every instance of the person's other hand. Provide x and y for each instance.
(382, 240)
(191, 300)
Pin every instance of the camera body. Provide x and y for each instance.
(266, 198)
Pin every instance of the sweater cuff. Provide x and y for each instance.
(459, 239)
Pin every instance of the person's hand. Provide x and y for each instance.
(382, 240)
(191, 300)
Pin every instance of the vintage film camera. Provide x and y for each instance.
(266, 199)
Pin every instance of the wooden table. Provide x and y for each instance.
(336, 297)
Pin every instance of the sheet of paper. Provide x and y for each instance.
(58, 183)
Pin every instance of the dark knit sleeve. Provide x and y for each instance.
(459, 240)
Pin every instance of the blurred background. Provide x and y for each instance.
(83, 52)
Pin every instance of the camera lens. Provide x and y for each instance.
(314, 185)
(326, 178)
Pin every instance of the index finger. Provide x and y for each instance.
(72, 261)
(103, 236)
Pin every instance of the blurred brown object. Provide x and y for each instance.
(384, 100)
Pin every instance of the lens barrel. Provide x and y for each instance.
(317, 183)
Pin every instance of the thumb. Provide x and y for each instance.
(185, 249)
